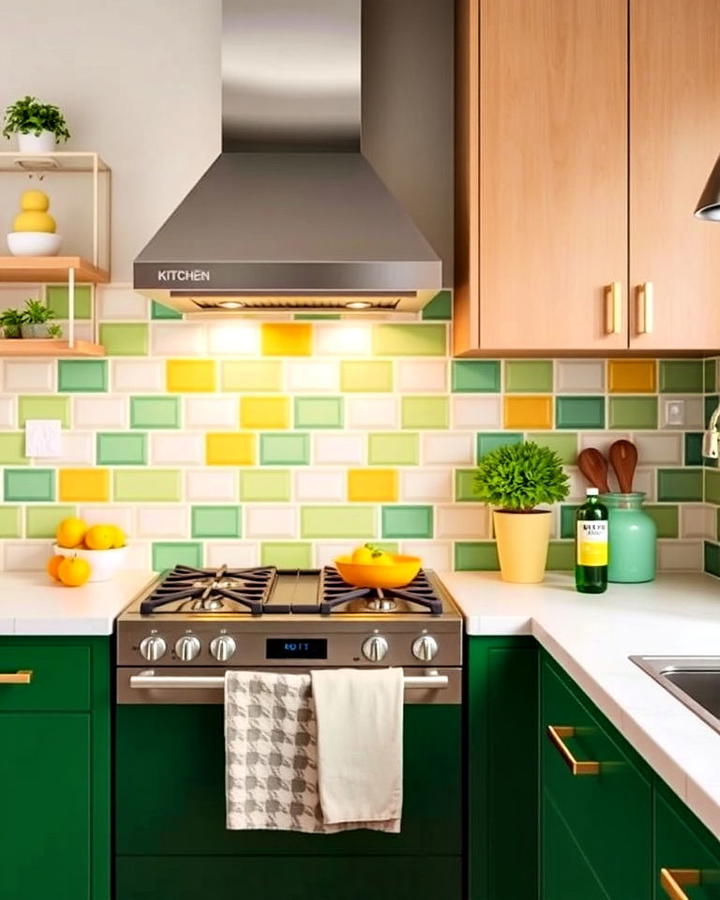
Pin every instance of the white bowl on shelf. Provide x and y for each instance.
(104, 564)
(33, 243)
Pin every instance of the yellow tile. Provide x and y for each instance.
(84, 485)
(372, 485)
(184, 375)
(528, 412)
(286, 339)
(264, 412)
(230, 449)
(632, 376)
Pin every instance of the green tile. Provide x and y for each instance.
(693, 448)
(82, 375)
(154, 412)
(268, 484)
(717, 524)
(166, 554)
(712, 489)
(126, 339)
(337, 522)
(286, 554)
(464, 481)
(567, 521)
(160, 311)
(392, 449)
(711, 402)
(216, 522)
(565, 445)
(633, 412)
(666, 519)
(409, 340)
(407, 522)
(525, 376)
(57, 299)
(580, 412)
(710, 375)
(712, 558)
(319, 412)
(29, 484)
(44, 407)
(681, 376)
(287, 449)
(440, 307)
(491, 440)
(10, 526)
(42, 521)
(425, 412)
(680, 484)
(561, 556)
(366, 376)
(476, 556)
(12, 448)
(475, 376)
(148, 484)
(121, 448)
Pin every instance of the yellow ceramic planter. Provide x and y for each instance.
(522, 543)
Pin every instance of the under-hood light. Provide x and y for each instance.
(231, 304)
(358, 304)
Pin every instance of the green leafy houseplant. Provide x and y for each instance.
(54, 331)
(30, 116)
(11, 321)
(519, 477)
(35, 317)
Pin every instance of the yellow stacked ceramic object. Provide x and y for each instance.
(34, 215)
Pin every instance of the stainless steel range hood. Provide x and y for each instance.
(291, 214)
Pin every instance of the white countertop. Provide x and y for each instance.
(31, 604)
(592, 636)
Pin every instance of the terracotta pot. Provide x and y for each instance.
(522, 544)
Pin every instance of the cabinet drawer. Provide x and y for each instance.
(678, 846)
(609, 811)
(60, 677)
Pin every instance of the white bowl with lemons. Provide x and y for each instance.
(101, 546)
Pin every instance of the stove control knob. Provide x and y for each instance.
(425, 648)
(375, 648)
(153, 648)
(187, 647)
(223, 647)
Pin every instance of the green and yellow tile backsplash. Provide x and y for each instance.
(289, 441)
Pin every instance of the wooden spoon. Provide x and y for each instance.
(623, 458)
(594, 467)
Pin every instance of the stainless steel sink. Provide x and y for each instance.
(694, 680)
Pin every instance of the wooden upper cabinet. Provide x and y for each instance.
(542, 175)
(674, 141)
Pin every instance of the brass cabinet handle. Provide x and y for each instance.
(557, 734)
(22, 676)
(645, 308)
(613, 308)
(672, 879)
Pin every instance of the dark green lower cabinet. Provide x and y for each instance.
(566, 872)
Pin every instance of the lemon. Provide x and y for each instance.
(100, 537)
(73, 571)
(70, 532)
(118, 536)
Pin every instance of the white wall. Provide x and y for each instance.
(138, 81)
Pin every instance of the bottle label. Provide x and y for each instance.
(592, 543)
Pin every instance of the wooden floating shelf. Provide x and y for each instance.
(48, 347)
(50, 269)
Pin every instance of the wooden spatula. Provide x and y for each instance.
(594, 467)
(623, 458)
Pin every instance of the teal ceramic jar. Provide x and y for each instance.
(632, 538)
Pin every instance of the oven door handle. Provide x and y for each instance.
(148, 680)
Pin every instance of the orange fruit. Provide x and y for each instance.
(70, 532)
(53, 564)
(73, 571)
(99, 537)
(118, 536)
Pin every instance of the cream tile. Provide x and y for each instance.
(476, 412)
(469, 521)
(320, 485)
(209, 411)
(234, 338)
(343, 339)
(326, 552)
(421, 376)
(238, 554)
(104, 514)
(21, 376)
(644, 481)
(376, 413)
(426, 485)
(312, 375)
(8, 413)
(120, 303)
(178, 339)
(205, 485)
(602, 440)
(100, 412)
(78, 448)
(697, 521)
(447, 448)
(578, 376)
(27, 555)
(680, 556)
(694, 411)
(659, 447)
(576, 483)
(83, 330)
(338, 449)
(177, 449)
(162, 521)
(276, 521)
(436, 555)
(139, 555)
(144, 376)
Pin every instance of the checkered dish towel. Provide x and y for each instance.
(272, 765)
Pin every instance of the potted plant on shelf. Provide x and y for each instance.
(515, 479)
(11, 322)
(54, 331)
(38, 126)
(35, 318)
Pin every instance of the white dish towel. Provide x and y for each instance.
(287, 770)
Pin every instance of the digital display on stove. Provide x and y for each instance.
(296, 648)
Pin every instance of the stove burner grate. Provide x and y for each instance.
(223, 590)
(334, 592)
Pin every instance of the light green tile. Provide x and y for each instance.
(632, 412)
(12, 448)
(526, 376)
(268, 484)
(10, 524)
(251, 375)
(147, 484)
(337, 521)
(476, 376)
(286, 554)
(154, 412)
(44, 407)
(82, 375)
(390, 339)
(286, 449)
(319, 412)
(681, 376)
(561, 556)
(216, 522)
(665, 518)
(166, 554)
(476, 556)
(710, 375)
(125, 339)
(464, 483)
(159, 311)
(680, 484)
(57, 299)
(366, 376)
(491, 440)
(393, 449)
(42, 521)
(30, 485)
(440, 307)
(120, 448)
(565, 444)
(408, 522)
(712, 489)
(425, 412)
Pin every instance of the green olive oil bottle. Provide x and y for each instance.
(591, 545)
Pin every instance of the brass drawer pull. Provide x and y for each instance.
(645, 308)
(671, 881)
(613, 308)
(557, 735)
(22, 676)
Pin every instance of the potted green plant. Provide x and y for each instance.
(38, 126)
(54, 331)
(35, 318)
(11, 322)
(516, 478)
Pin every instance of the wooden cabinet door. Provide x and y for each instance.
(674, 140)
(544, 230)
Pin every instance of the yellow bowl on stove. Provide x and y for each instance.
(400, 572)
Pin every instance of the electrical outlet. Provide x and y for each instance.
(674, 412)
